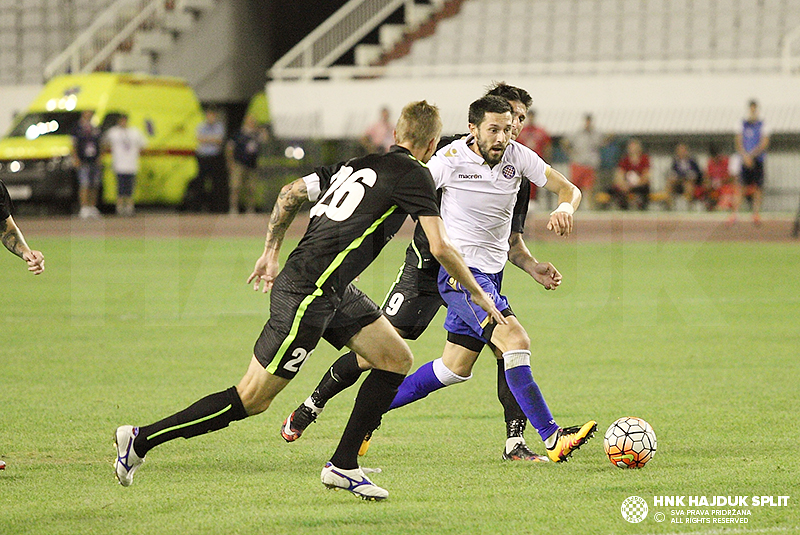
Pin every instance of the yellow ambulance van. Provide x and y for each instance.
(35, 160)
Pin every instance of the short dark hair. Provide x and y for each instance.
(753, 102)
(509, 92)
(487, 104)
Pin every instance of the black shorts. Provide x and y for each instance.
(753, 176)
(300, 314)
(413, 300)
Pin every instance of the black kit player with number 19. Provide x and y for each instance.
(413, 301)
(359, 206)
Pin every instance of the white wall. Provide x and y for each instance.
(223, 57)
(15, 99)
(623, 103)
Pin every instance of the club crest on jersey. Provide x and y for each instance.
(509, 171)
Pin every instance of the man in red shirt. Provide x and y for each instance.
(632, 177)
(722, 189)
(537, 139)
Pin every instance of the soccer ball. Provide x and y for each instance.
(630, 442)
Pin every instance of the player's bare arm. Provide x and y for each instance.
(450, 258)
(542, 272)
(290, 200)
(14, 241)
(569, 198)
(747, 158)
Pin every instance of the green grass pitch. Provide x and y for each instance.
(700, 339)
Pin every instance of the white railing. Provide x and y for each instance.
(674, 66)
(95, 46)
(339, 33)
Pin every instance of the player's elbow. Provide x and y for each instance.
(439, 248)
(577, 195)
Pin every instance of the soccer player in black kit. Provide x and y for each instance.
(12, 238)
(360, 205)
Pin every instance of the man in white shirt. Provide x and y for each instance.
(126, 144)
(479, 177)
(410, 305)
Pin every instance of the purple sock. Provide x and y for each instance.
(528, 395)
(416, 386)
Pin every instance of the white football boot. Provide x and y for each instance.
(354, 481)
(127, 461)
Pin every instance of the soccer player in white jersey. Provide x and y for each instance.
(410, 306)
(479, 177)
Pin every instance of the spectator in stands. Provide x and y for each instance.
(242, 154)
(583, 148)
(210, 188)
(126, 143)
(752, 140)
(379, 136)
(719, 181)
(86, 158)
(632, 177)
(535, 137)
(684, 178)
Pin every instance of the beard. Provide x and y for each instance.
(492, 157)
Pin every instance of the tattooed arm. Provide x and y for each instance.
(290, 200)
(15, 242)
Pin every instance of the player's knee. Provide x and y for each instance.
(516, 338)
(256, 398)
(404, 360)
(253, 402)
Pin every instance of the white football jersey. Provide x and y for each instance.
(478, 200)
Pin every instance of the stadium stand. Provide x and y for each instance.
(610, 36)
(42, 38)
(33, 31)
(662, 70)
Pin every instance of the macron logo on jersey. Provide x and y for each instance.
(470, 176)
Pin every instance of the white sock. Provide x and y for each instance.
(512, 442)
(310, 404)
(516, 357)
(550, 441)
(445, 376)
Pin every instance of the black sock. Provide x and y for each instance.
(342, 374)
(516, 427)
(211, 413)
(374, 397)
(511, 409)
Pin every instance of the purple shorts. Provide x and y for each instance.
(464, 316)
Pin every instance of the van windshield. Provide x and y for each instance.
(33, 125)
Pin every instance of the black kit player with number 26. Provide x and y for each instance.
(359, 206)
